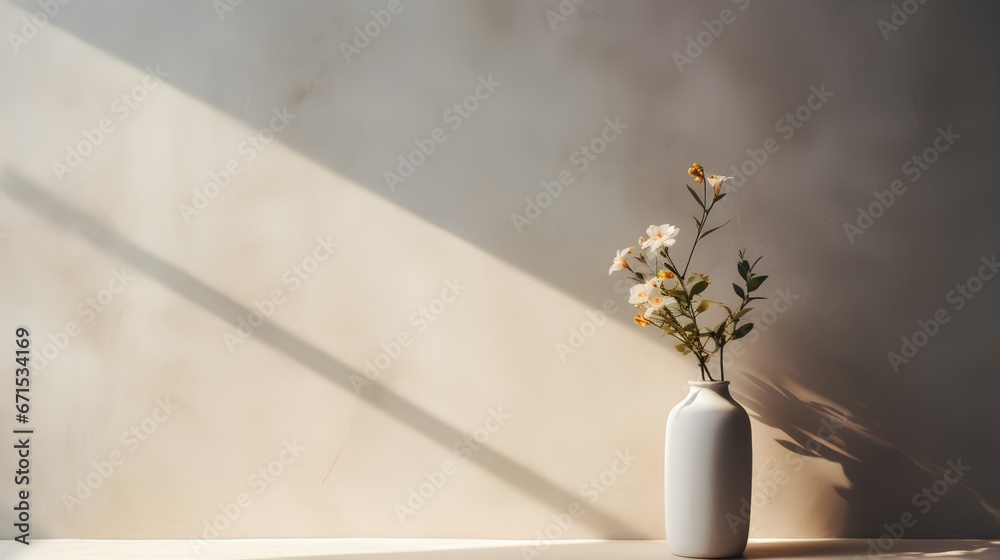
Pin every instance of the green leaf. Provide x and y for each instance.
(704, 235)
(697, 221)
(743, 271)
(720, 197)
(702, 306)
(682, 348)
(719, 303)
(742, 312)
(696, 197)
(742, 331)
(755, 282)
(677, 294)
(755, 297)
(698, 288)
(739, 291)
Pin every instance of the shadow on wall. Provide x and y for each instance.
(852, 439)
(219, 304)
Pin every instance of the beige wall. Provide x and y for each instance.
(480, 306)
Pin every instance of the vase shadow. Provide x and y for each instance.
(883, 480)
(855, 548)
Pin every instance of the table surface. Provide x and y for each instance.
(467, 549)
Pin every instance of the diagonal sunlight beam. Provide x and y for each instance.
(76, 28)
(224, 307)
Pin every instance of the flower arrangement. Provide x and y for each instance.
(666, 297)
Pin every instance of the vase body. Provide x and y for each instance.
(708, 466)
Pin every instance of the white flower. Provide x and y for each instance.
(620, 262)
(658, 302)
(716, 182)
(660, 236)
(641, 293)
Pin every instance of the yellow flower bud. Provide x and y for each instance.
(697, 171)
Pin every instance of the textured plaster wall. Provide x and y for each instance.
(245, 170)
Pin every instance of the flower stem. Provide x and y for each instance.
(697, 237)
(722, 362)
(696, 346)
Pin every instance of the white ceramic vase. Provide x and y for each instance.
(707, 473)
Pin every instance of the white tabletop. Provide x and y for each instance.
(461, 549)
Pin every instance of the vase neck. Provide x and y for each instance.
(719, 387)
